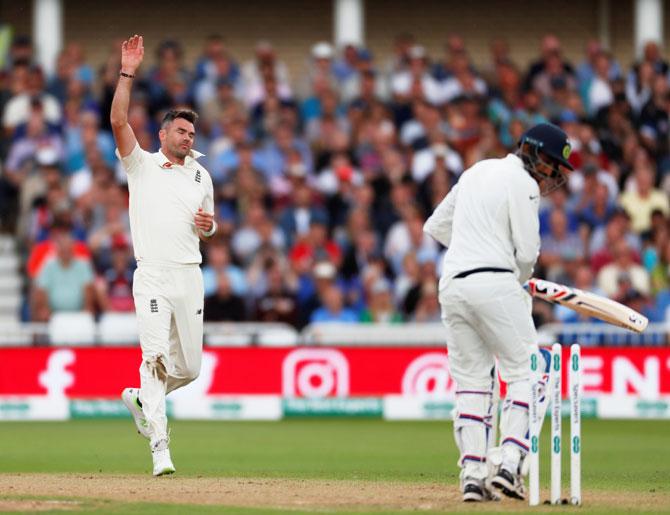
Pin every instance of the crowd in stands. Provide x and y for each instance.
(323, 180)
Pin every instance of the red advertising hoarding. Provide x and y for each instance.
(307, 372)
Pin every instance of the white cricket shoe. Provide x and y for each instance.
(130, 397)
(160, 452)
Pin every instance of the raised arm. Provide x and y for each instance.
(132, 52)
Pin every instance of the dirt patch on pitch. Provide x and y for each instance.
(294, 494)
(36, 505)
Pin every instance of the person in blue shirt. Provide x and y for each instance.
(332, 308)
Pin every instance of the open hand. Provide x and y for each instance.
(203, 220)
(132, 53)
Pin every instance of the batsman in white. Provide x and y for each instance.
(171, 207)
(489, 224)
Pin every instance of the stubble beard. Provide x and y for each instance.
(179, 153)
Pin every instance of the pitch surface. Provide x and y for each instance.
(301, 466)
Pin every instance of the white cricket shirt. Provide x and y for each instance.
(164, 198)
(489, 219)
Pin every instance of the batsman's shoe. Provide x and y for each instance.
(509, 484)
(131, 398)
(473, 492)
(160, 452)
(476, 490)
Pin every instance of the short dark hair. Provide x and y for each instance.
(173, 114)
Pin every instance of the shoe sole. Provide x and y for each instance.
(131, 407)
(165, 472)
(472, 497)
(506, 488)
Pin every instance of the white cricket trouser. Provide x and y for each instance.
(169, 304)
(487, 316)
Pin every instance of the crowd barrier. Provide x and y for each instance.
(80, 329)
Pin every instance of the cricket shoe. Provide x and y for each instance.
(509, 484)
(160, 452)
(474, 490)
(131, 398)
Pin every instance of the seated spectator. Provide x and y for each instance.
(65, 283)
(27, 92)
(428, 307)
(416, 82)
(660, 273)
(223, 305)
(550, 49)
(278, 303)
(641, 201)
(221, 72)
(46, 248)
(437, 155)
(332, 308)
(114, 287)
(623, 269)
(407, 235)
(463, 81)
(380, 308)
(313, 279)
(583, 280)
(85, 133)
(408, 279)
(265, 64)
(560, 248)
(257, 229)
(218, 260)
(597, 209)
(168, 73)
(320, 70)
(600, 91)
(316, 245)
(605, 237)
(271, 158)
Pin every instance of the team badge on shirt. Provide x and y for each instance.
(198, 177)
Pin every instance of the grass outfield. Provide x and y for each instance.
(301, 465)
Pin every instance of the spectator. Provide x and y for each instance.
(583, 280)
(600, 92)
(218, 260)
(416, 83)
(28, 90)
(332, 308)
(428, 307)
(278, 303)
(561, 249)
(380, 305)
(642, 199)
(223, 305)
(64, 283)
(551, 58)
(114, 287)
(623, 273)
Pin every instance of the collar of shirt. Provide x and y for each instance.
(516, 160)
(189, 161)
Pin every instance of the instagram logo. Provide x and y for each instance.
(315, 373)
(428, 376)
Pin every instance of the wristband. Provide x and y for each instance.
(210, 232)
(127, 75)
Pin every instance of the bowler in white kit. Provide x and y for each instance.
(489, 224)
(171, 210)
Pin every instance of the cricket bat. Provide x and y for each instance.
(587, 303)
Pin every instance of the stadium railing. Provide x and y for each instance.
(122, 330)
(601, 334)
